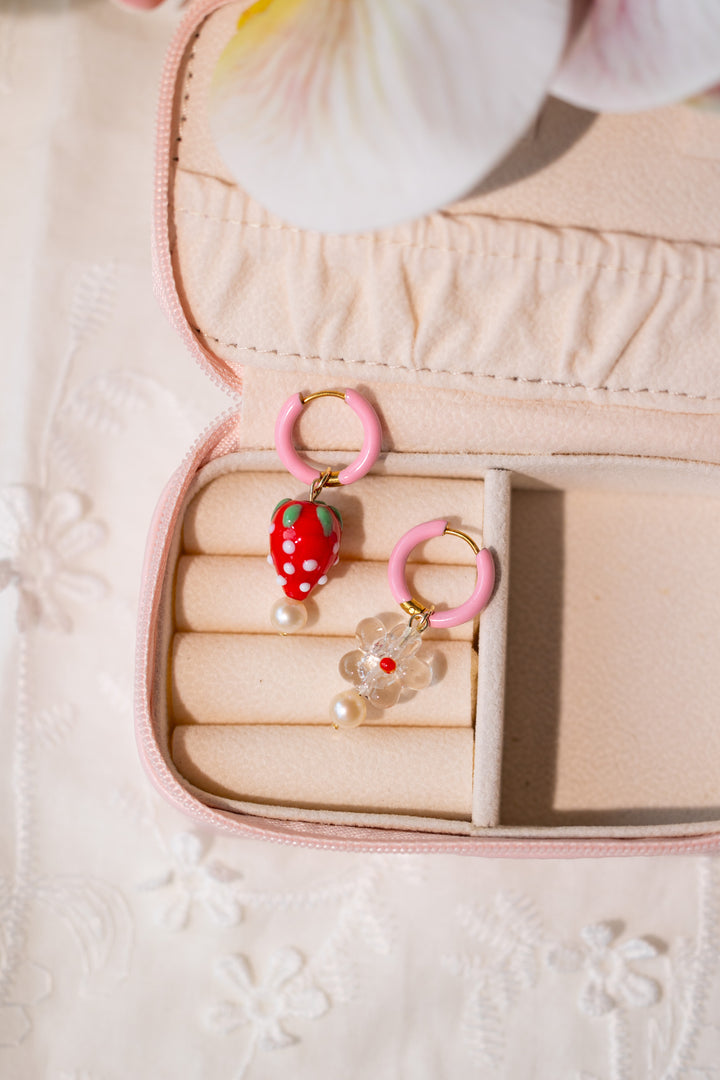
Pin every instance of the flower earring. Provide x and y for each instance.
(387, 661)
(305, 533)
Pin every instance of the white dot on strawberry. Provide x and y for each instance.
(281, 580)
(305, 586)
(322, 580)
(272, 528)
(269, 559)
(310, 564)
(288, 547)
(289, 568)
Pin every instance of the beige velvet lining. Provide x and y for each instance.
(611, 695)
(230, 670)
(589, 280)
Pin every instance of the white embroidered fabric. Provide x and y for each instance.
(132, 944)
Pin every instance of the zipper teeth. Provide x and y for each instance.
(268, 829)
(163, 277)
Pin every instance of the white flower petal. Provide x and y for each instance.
(565, 958)
(637, 991)
(594, 999)
(220, 871)
(79, 538)
(15, 1025)
(236, 971)
(284, 964)
(30, 612)
(7, 574)
(60, 512)
(188, 849)
(222, 907)
(637, 949)
(640, 54)
(175, 915)
(309, 1002)
(158, 881)
(32, 983)
(274, 1037)
(357, 115)
(81, 587)
(19, 513)
(597, 935)
(225, 1017)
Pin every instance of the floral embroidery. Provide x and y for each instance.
(610, 981)
(385, 664)
(506, 935)
(32, 984)
(193, 880)
(42, 533)
(267, 1006)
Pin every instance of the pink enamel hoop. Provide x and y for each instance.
(306, 474)
(453, 616)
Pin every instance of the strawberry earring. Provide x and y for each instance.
(387, 661)
(305, 533)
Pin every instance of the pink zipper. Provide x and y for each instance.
(299, 834)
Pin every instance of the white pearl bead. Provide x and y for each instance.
(348, 709)
(288, 616)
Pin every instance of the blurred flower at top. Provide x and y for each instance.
(639, 54)
(350, 115)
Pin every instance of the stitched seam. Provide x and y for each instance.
(454, 250)
(186, 98)
(455, 371)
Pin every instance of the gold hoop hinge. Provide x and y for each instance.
(419, 613)
(463, 536)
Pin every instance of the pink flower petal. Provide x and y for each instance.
(638, 54)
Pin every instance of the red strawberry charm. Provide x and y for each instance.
(304, 544)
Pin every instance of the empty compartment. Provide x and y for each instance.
(612, 702)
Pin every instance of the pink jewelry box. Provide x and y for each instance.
(549, 342)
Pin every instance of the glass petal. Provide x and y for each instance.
(383, 695)
(415, 674)
(403, 640)
(352, 116)
(348, 665)
(369, 631)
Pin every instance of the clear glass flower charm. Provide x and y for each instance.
(386, 662)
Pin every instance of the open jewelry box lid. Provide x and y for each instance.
(585, 272)
(560, 324)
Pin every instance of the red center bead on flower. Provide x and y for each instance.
(388, 664)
